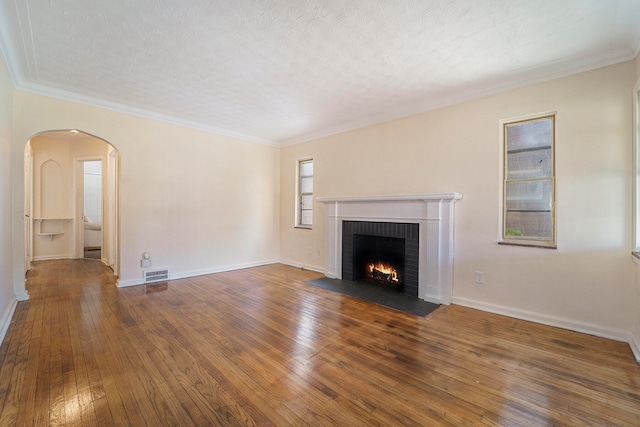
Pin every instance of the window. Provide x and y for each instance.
(305, 194)
(528, 211)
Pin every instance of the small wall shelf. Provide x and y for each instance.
(50, 234)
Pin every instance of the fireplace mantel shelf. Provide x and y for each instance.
(392, 198)
(434, 212)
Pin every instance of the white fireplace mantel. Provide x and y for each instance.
(434, 213)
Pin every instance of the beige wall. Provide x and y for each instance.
(588, 282)
(7, 299)
(198, 202)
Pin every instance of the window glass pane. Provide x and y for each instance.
(529, 195)
(304, 205)
(306, 168)
(306, 202)
(529, 180)
(528, 224)
(306, 217)
(531, 134)
(306, 185)
(529, 164)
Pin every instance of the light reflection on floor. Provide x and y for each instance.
(156, 287)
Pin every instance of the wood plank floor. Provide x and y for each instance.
(260, 347)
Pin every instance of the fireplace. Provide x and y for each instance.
(381, 253)
(432, 214)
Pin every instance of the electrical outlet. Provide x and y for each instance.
(479, 277)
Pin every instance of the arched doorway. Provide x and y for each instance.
(55, 223)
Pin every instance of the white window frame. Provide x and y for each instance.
(299, 195)
(550, 243)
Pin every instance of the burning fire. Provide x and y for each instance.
(382, 271)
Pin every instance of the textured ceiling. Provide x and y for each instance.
(285, 71)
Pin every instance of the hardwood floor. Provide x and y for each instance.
(260, 347)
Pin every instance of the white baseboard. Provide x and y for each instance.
(50, 257)
(560, 322)
(222, 269)
(5, 321)
(634, 343)
(130, 282)
(193, 273)
(303, 266)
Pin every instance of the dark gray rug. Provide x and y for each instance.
(378, 295)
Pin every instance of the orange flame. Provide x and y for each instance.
(378, 269)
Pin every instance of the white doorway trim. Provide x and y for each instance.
(112, 205)
(28, 208)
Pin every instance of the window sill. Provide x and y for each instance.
(304, 227)
(529, 244)
(636, 257)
